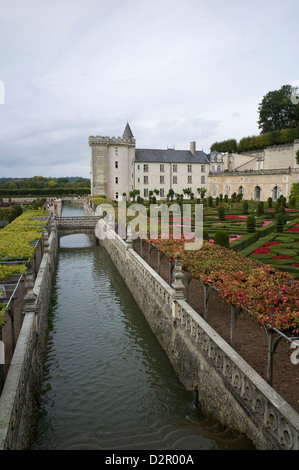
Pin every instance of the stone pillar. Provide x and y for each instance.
(30, 297)
(178, 286)
(129, 240)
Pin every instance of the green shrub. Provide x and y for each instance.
(221, 238)
(280, 222)
(260, 208)
(245, 208)
(292, 201)
(205, 235)
(221, 212)
(270, 201)
(250, 221)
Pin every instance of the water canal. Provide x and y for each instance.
(105, 371)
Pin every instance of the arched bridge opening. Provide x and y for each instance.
(76, 225)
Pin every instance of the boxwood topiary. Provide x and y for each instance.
(221, 238)
(250, 221)
(280, 221)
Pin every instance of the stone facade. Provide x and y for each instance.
(117, 168)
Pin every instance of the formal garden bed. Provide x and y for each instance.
(20, 247)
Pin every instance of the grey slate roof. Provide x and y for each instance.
(127, 132)
(170, 156)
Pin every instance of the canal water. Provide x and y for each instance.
(105, 371)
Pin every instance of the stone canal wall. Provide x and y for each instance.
(19, 400)
(226, 386)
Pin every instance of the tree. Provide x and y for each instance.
(277, 111)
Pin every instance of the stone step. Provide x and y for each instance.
(162, 435)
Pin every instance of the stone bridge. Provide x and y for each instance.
(73, 225)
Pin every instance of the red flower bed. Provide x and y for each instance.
(264, 249)
(270, 296)
(282, 257)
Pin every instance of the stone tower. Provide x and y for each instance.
(112, 164)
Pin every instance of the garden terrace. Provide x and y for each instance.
(250, 329)
(21, 249)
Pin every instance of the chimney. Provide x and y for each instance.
(193, 148)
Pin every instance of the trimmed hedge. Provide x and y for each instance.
(34, 192)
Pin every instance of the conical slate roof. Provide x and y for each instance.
(127, 132)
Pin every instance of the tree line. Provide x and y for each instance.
(41, 182)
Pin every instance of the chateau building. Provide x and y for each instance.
(118, 167)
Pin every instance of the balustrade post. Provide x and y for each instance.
(188, 281)
(46, 241)
(234, 313)
(29, 297)
(178, 286)
(129, 240)
(141, 248)
(272, 346)
(207, 290)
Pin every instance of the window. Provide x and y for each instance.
(116, 164)
(189, 168)
(116, 180)
(138, 167)
(161, 179)
(175, 179)
(190, 179)
(145, 193)
(161, 167)
(116, 195)
(174, 168)
(116, 151)
(218, 168)
(203, 179)
(203, 168)
(145, 179)
(138, 180)
(162, 192)
(145, 167)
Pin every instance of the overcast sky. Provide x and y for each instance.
(177, 71)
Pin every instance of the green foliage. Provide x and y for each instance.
(221, 212)
(205, 235)
(250, 222)
(297, 157)
(270, 202)
(14, 213)
(295, 189)
(245, 208)
(277, 112)
(280, 222)
(292, 201)
(260, 208)
(221, 238)
(229, 146)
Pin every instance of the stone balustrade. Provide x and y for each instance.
(227, 385)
